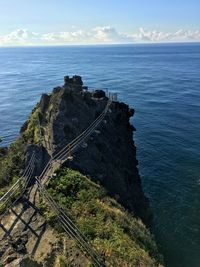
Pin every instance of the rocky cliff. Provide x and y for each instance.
(107, 158)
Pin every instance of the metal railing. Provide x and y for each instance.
(71, 229)
(21, 183)
(66, 151)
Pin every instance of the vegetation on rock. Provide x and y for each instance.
(122, 239)
(12, 163)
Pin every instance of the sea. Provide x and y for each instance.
(162, 83)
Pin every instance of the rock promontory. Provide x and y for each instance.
(100, 188)
(109, 155)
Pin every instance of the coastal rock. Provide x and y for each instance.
(131, 112)
(24, 127)
(110, 155)
(75, 83)
(107, 157)
(44, 102)
(98, 94)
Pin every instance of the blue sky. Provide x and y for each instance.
(102, 21)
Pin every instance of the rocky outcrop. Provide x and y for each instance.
(98, 94)
(109, 155)
(75, 83)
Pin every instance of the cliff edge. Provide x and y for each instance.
(108, 156)
(99, 187)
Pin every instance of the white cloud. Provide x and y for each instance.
(109, 34)
(156, 36)
(98, 35)
(19, 37)
(65, 37)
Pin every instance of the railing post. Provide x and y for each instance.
(20, 185)
(106, 92)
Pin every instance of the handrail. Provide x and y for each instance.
(70, 228)
(69, 145)
(65, 221)
(82, 132)
(75, 142)
(26, 176)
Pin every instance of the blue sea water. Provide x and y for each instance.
(162, 83)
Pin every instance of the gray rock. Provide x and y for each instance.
(98, 94)
(110, 156)
(75, 83)
(44, 102)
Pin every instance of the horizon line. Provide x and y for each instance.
(100, 44)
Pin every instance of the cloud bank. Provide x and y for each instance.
(98, 35)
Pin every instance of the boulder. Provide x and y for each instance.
(73, 84)
(76, 80)
(98, 94)
(44, 102)
(131, 112)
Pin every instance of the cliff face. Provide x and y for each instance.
(108, 161)
(109, 155)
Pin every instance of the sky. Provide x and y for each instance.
(63, 22)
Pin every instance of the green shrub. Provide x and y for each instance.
(12, 163)
(122, 239)
(32, 132)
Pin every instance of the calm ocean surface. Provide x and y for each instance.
(162, 82)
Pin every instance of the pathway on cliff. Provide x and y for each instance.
(66, 152)
(55, 162)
